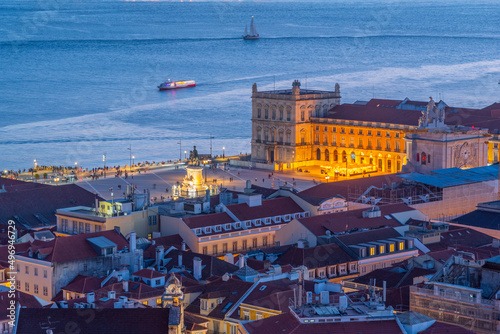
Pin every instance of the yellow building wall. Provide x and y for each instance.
(253, 310)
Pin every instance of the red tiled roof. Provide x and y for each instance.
(346, 220)
(148, 273)
(269, 208)
(166, 241)
(442, 328)
(377, 111)
(368, 236)
(84, 284)
(328, 190)
(232, 290)
(208, 220)
(75, 247)
(22, 298)
(107, 320)
(287, 323)
(315, 257)
(136, 290)
(42, 201)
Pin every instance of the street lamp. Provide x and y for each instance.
(223, 152)
(133, 160)
(35, 164)
(185, 154)
(104, 164)
(76, 167)
(130, 163)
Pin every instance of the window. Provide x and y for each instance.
(397, 134)
(80, 227)
(35, 289)
(45, 291)
(214, 249)
(205, 250)
(152, 220)
(266, 115)
(233, 329)
(429, 158)
(388, 145)
(378, 134)
(302, 115)
(204, 304)
(401, 245)
(288, 114)
(372, 251)
(274, 114)
(75, 227)
(259, 316)
(246, 315)
(281, 114)
(35, 271)
(198, 231)
(158, 282)
(254, 242)
(397, 145)
(382, 249)
(264, 241)
(235, 246)
(87, 228)
(27, 270)
(244, 245)
(387, 134)
(391, 248)
(26, 287)
(369, 132)
(18, 284)
(360, 132)
(45, 274)
(424, 158)
(258, 113)
(332, 271)
(98, 228)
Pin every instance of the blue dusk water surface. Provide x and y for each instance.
(78, 78)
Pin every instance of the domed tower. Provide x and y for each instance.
(173, 298)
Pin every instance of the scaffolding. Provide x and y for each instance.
(410, 193)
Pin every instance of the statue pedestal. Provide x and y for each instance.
(193, 184)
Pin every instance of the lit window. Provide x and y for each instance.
(372, 251)
(401, 245)
(391, 248)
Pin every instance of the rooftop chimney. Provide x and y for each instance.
(183, 246)
(132, 241)
(90, 297)
(197, 268)
(160, 252)
(112, 294)
(229, 258)
(179, 259)
(125, 285)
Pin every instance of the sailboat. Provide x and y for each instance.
(253, 32)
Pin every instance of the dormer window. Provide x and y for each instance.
(277, 219)
(237, 225)
(287, 218)
(401, 245)
(208, 229)
(257, 222)
(382, 249)
(391, 248)
(218, 228)
(248, 224)
(197, 231)
(227, 227)
(372, 251)
(204, 304)
(297, 215)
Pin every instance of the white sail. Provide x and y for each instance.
(253, 30)
(246, 31)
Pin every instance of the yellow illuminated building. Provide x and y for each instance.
(296, 128)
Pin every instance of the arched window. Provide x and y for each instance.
(258, 113)
(424, 158)
(274, 113)
(266, 115)
(335, 155)
(288, 115)
(281, 114)
(327, 155)
(318, 154)
(302, 115)
(344, 156)
(418, 157)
